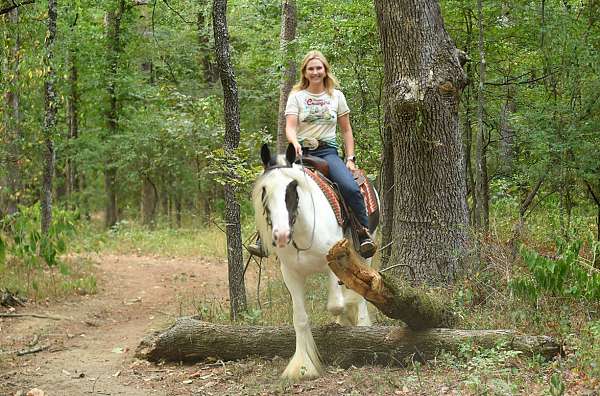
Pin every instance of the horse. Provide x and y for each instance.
(296, 222)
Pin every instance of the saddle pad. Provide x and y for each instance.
(329, 193)
(367, 191)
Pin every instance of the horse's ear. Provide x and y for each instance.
(290, 154)
(265, 154)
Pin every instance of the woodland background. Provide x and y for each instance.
(137, 139)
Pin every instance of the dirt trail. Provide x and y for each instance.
(91, 352)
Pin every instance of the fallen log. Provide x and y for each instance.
(393, 297)
(192, 340)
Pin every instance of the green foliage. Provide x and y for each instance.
(233, 168)
(2, 250)
(562, 276)
(28, 244)
(557, 387)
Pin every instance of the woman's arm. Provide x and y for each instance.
(291, 125)
(348, 138)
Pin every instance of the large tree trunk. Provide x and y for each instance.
(387, 198)
(13, 121)
(49, 120)
(288, 34)
(237, 289)
(192, 340)
(423, 80)
(112, 115)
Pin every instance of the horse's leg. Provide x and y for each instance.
(335, 299)
(305, 363)
(355, 311)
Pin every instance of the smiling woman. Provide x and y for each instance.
(313, 112)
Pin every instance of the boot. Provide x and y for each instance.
(367, 247)
(256, 249)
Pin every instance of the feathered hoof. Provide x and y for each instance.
(300, 368)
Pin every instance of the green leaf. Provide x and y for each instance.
(2, 251)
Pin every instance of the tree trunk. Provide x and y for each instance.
(288, 34)
(508, 151)
(466, 102)
(49, 120)
(423, 79)
(210, 73)
(192, 340)
(178, 209)
(7, 6)
(518, 228)
(482, 212)
(112, 115)
(13, 121)
(72, 182)
(237, 289)
(396, 299)
(149, 202)
(388, 238)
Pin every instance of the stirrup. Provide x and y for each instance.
(256, 249)
(367, 247)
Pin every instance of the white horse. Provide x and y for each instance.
(296, 222)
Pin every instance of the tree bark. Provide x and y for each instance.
(237, 289)
(49, 120)
(423, 79)
(508, 152)
(13, 121)
(287, 37)
(149, 202)
(482, 211)
(112, 115)
(73, 179)
(210, 73)
(192, 340)
(388, 238)
(7, 6)
(466, 102)
(395, 298)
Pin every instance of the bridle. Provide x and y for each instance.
(292, 214)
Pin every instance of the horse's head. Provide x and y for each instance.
(275, 198)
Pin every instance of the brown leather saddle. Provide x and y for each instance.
(318, 169)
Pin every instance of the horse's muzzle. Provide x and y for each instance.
(281, 237)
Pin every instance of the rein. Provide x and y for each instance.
(312, 236)
(293, 217)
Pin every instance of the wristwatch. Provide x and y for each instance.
(351, 158)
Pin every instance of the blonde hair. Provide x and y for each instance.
(329, 80)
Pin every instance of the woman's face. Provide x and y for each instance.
(315, 71)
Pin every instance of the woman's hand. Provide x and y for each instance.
(291, 124)
(298, 149)
(351, 165)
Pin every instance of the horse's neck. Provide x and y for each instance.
(314, 210)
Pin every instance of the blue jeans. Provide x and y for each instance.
(341, 175)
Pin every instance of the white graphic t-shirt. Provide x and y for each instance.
(317, 114)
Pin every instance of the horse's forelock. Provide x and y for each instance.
(281, 160)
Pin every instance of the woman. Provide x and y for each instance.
(314, 109)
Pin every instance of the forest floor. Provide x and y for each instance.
(90, 351)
